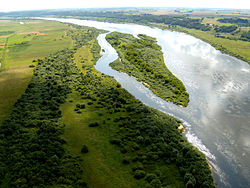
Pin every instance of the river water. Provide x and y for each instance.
(217, 118)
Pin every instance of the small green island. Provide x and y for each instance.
(142, 58)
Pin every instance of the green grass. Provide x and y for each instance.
(102, 164)
(32, 40)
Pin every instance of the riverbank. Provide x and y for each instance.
(192, 70)
(237, 48)
(138, 132)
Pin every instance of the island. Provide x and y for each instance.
(142, 58)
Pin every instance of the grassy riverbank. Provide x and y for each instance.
(75, 126)
(142, 58)
(237, 48)
(131, 144)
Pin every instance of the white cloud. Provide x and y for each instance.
(11, 5)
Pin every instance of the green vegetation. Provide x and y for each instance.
(232, 36)
(19, 45)
(32, 152)
(131, 140)
(46, 142)
(143, 59)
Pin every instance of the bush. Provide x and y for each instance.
(95, 124)
(139, 174)
(115, 141)
(84, 149)
(190, 180)
(155, 183)
(125, 160)
(150, 177)
(81, 106)
(82, 184)
(90, 103)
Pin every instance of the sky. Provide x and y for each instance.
(15, 5)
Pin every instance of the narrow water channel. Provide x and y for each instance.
(218, 116)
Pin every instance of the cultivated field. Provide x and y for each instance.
(22, 41)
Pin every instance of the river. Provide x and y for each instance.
(217, 118)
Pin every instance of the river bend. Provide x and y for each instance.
(217, 118)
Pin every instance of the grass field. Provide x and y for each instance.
(102, 164)
(28, 41)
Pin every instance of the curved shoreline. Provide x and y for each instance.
(153, 25)
(199, 96)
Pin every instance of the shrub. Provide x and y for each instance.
(139, 174)
(84, 149)
(82, 106)
(81, 183)
(115, 141)
(125, 160)
(149, 177)
(190, 179)
(95, 124)
(155, 183)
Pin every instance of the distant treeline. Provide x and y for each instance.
(183, 21)
(120, 16)
(240, 21)
(225, 29)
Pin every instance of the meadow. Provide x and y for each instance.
(20, 44)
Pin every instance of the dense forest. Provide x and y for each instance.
(35, 153)
(239, 21)
(142, 58)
